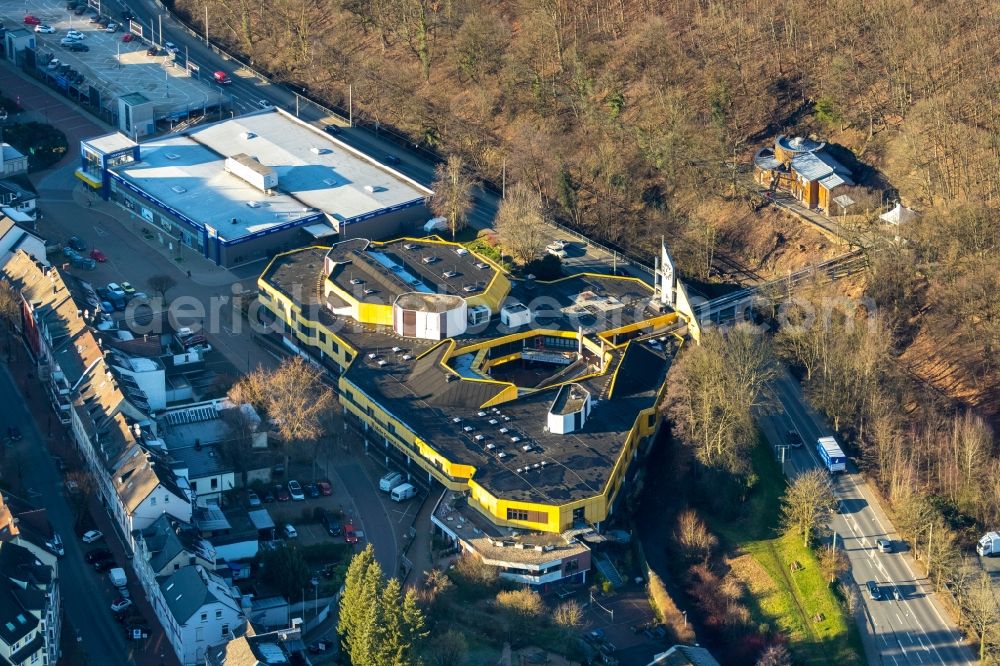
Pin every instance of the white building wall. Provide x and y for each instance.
(205, 494)
(198, 635)
(159, 502)
(153, 384)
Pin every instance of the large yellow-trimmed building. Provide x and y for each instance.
(532, 398)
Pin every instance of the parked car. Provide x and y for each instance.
(556, 253)
(264, 104)
(268, 497)
(112, 27)
(128, 288)
(350, 535)
(53, 64)
(97, 255)
(152, 51)
(46, 29)
(883, 545)
(794, 439)
(100, 566)
(171, 47)
(91, 536)
(120, 604)
(295, 489)
(74, 242)
(325, 489)
(281, 493)
(32, 20)
(389, 481)
(289, 531)
(55, 545)
(331, 526)
(332, 129)
(75, 34)
(312, 490)
(115, 289)
(127, 37)
(252, 499)
(97, 555)
(79, 47)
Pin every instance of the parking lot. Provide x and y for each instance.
(112, 66)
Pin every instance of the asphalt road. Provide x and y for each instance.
(912, 630)
(83, 594)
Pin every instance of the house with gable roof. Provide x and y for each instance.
(198, 611)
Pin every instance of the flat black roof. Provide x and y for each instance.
(420, 395)
(571, 466)
(378, 273)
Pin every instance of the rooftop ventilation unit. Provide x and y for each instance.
(515, 439)
(357, 281)
(382, 362)
(410, 246)
(505, 418)
(480, 413)
(479, 438)
(457, 419)
(178, 189)
(526, 448)
(504, 431)
(461, 251)
(396, 350)
(246, 136)
(369, 292)
(253, 204)
(490, 447)
(372, 355)
(520, 469)
(468, 428)
(370, 189)
(537, 466)
(172, 156)
(493, 422)
(482, 265)
(430, 260)
(447, 275)
(407, 357)
(501, 455)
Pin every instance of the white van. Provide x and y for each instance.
(390, 481)
(403, 492)
(290, 532)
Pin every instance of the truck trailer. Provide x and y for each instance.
(831, 454)
(989, 545)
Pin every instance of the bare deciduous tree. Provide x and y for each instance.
(716, 386)
(293, 396)
(161, 284)
(693, 536)
(521, 224)
(568, 614)
(983, 612)
(452, 198)
(808, 503)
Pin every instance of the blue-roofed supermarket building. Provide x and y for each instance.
(247, 188)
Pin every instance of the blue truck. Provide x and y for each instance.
(831, 454)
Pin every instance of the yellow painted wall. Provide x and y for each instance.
(374, 313)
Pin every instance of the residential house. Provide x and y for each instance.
(14, 238)
(198, 438)
(19, 198)
(12, 162)
(146, 488)
(198, 611)
(232, 533)
(803, 167)
(30, 603)
(684, 655)
(277, 648)
(168, 544)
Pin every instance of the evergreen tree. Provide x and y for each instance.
(392, 639)
(361, 588)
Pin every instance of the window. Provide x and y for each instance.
(215, 484)
(204, 617)
(225, 630)
(194, 486)
(322, 338)
(516, 514)
(166, 498)
(218, 615)
(152, 501)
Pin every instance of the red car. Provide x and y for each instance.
(97, 255)
(32, 20)
(281, 493)
(325, 489)
(349, 535)
(127, 37)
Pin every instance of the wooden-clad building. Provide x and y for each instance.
(804, 168)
